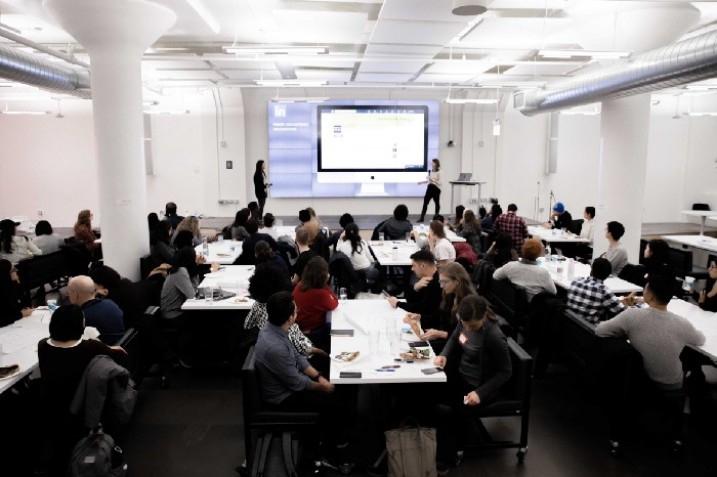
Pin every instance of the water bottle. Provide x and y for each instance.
(571, 269)
(548, 254)
(205, 247)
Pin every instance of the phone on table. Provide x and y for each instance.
(418, 344)
(429, 371)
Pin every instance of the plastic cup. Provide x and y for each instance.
(380, 236)
(342, 294)
(52, 305)
(689, 283)
(220, 239)
(208, 295)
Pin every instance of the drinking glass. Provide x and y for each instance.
(343, 296)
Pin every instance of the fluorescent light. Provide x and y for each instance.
(29, 113)
(512, 84)
(591, 110)
(301, 99)
(167, 112)
(205, 15)
(287, 82)
(591, 53)
(470, 101)
(701, 87)
(697, 114)
(277, 50)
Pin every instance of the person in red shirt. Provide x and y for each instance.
(513, 225)
(313, 299)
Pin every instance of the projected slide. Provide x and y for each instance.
(369, 146)
(373, 138)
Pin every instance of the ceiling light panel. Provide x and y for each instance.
(459, 67)
(443, 78)
(419, 33)
(330, 76)
(390, 65)
(421, 10)
(188, 75)
(316, 26)
(525, 33)
(251, 75)
(537, 69)
(400, 50)
(382, 78)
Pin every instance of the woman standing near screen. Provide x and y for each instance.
(433, 191)
(261, 185)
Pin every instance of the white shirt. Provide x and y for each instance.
(587, 230)
(21, 248)
(359, 260)
(444, 250)
(48, 243)
(434, 177)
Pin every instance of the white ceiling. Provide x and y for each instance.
(391, 43)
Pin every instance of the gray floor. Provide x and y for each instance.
(195, 429)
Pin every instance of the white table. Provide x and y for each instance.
(233, 278)
(614, 284)
(697, 241)
(362, 316)
(702, 214)
(19, 343)
(450, 235)
(705, 321)
(469, 184)
(554, 235)
(383, 250)
(224, 253)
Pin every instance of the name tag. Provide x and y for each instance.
(462, 338)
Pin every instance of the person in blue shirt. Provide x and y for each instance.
(104, 315)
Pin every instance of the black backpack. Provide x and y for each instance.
(97, 456)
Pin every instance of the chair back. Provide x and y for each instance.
(681, 261)
(344, 275)
(251, 392)
(700, 206)
(511, 302)
(576, 226)
(130, 343)
(36, 271)
(518, 387)
(146, 264)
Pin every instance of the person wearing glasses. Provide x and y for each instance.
(13, 304)
(708, 297)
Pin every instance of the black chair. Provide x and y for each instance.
(130, 343)
(256, 416)
(514, 401)
(374, 234)
(77, 257)
(344, 275)
(700, 206)
(35, 272)
(681, 261)
(576, 226)
(146, 264)
(510, 302)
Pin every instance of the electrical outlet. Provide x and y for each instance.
(223, 143)
(473, 200)
(39, 213)
(541, 210)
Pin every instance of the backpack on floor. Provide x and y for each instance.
(276, 455)
(97, 456)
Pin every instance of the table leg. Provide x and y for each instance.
(702, 227)
(453, 187)
(478, 198)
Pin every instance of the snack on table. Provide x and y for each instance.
(347, 355)
(7, 371)
(417, 353)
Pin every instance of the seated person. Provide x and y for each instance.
(14, 248)
(160, 249)
(586, 231)
(455, 286)
(708, 297)
(262, 284)
(287, 381)
(103, 314)
(501, 251)
(458, 219)
(439, 245)
(353, 246)
(559, 218)
(469, 228)
(254, 212)
(309, 223)
(397, 226)
(659, 335)
(657, 258)
(84, 234)
(269, 227)
(248, 256)
(237, 230)
(190, 224)
(488, 221)
(305, 254)
(45, 239)
(590, 299)
(513, 225)
(181, 284)
(477, 362)
(314, 299)
(344, 220)
(424, 296)
(264, 254)
(170, 213)
(63, 358)
(13, 304)
(527, 273)
(615, 253)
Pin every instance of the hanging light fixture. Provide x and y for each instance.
(470, 7)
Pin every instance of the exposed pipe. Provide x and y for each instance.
(26, 68)
(37, 46)
(683, 62)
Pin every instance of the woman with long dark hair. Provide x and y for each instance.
(314, 299)
(83, 230)
(45, 239)
(13, 305)
(354, 247)
(12, 247)
(433, 191)
(261, 185)
(469, 228)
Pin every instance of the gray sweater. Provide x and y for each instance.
(659, 336)
(177, 289)
(617, 256)
(527, 275)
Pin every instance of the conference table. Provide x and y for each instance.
(222, 252)
(702, 242)
(560, 275)
(705, 321)
(554, 235)
(232, 278)
(703, 215)
(393, 253)
(374, 325)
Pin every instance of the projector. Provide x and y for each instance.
(470, 7)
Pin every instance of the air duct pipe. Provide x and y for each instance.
(27, 68)
(673, 65)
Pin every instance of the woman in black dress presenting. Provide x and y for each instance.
(433, 191)
(261, 185)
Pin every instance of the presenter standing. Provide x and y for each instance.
(261, 185)
(433, 191)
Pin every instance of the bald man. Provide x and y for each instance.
(103, 314)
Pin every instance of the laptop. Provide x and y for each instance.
(464, 176)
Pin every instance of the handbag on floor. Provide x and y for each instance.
(97, 456)
(411, 451)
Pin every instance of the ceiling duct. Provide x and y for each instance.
(673, 65)
(30, 69)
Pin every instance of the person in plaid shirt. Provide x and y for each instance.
(590, 298)
(510, 223)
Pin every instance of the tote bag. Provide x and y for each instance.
(411, 452)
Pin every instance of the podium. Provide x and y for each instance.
(479, 184)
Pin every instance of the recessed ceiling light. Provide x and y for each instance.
(591, 53)
(277, 50)
(470, 101)
(290, 82)
(470, 7)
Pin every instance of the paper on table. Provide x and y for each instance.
(16, 339)
(358, 323)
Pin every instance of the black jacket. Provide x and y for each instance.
(259, 186)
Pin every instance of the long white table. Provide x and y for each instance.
(702, 214)
(224, 253)
(375, 316)
(705, 321)
(702, 242)
(580, 270)
(554, 235)
(233, 278)
(450, 235)
(383, 250)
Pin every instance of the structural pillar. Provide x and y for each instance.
(116, 33)
(624, 129)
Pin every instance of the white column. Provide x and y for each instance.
(116, 33)
(625, 125)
